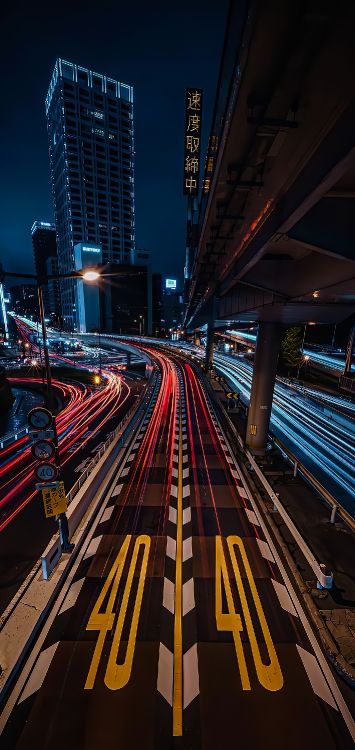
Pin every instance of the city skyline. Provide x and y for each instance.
(159, 92)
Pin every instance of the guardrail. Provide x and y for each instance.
(77, 509)
(11, 437)
(325, 579)
(298, 467)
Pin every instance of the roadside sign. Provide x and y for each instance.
(54, 500)
(42, 435)
(39, 418)
(43, 449)
(231, 394)
(46, 472)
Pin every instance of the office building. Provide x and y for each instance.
(24, 300)
(172, 306)
(87, 295)
(52, 303)
(44, 245)
(91, 149)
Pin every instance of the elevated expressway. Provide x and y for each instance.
(275, 229)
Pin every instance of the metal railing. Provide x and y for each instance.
(325, 580)
(11, 437)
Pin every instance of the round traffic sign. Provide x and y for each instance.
(43, 449)
(39, 418)
(46, 472)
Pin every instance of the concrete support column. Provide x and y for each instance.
(209, 347)
(262, 389)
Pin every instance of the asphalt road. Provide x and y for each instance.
(178, 626)
(24, 530)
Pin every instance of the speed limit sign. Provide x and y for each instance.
(39, 418)
(43, 449)
(46, 472)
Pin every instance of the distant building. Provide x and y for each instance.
(87, 295)
(45, 257)
(142, 256)
(91, 149)
(24, 300)
(172, 305)
(156, 304)
(54, 308)
(127, 301)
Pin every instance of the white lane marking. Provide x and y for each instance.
(165, 673)
(169, 595)
(229, 459)
(252, 517)
(284, 597)
(174, 490)
(188, 596)
(184, 446)
(316, 677)
(72, 595)
(185, 473)
(107, 514)
(242, 491)
(187, 549)
(136, 445)
(93, 547)
(131, 457)
(172, 514)
(39, 672)
(234, 474)
(171, 547)
(265, 550)
(186, 491)
(191, 676)
(185, 459)
(125, 471)
(175, 473)
(186, 515)
(117, 490)
(176, 458)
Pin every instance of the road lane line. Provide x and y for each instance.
(284, 597)
(117, 490)
(169, 595)
(252, 517)
(39, 672)
(165, 673)
(186, 515)
(191, 676)
(172, 514)
(316, 676)
(93, 547)
(107, 514)
(187, 549)
(265, 550)
(171, 548)
(72, 595)
(177, 686)
(188, 597)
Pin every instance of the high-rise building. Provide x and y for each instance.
(44, 245)
(91, 149)
(45, 256)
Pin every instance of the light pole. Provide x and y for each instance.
(89, 276)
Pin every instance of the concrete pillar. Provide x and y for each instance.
(209, 347)
(262, 389)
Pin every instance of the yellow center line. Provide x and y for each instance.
(177, 688)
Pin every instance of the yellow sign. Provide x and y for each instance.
(253, 429)
(54, 500)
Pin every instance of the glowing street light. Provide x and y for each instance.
(91, 275)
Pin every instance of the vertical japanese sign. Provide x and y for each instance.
(192, 141)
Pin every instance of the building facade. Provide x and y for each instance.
(91, 149)
(44, 245)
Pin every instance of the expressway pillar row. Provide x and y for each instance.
(262, 389)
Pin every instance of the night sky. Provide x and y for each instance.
(159, 48)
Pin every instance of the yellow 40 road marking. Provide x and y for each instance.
(269, 675)
(117, 675)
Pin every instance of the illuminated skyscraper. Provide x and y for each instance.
(91, 148)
